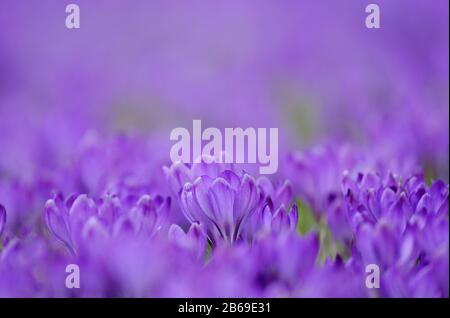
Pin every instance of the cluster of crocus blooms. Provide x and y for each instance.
(401, 225)
(397, 222)
(238, 237)
(85, 175)
(232, 205)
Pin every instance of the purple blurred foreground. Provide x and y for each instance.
(86, 176)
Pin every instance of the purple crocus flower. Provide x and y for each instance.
(334, 279)
(222, 204)
(29, 268)
(194, 241)
(80, 217)
(274, 266)
(403, 228)
(79, 123)
(203, 187)
(318, 174)
(276, 212)
(283, 262)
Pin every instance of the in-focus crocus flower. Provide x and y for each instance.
(222, 204)
(269, 208)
